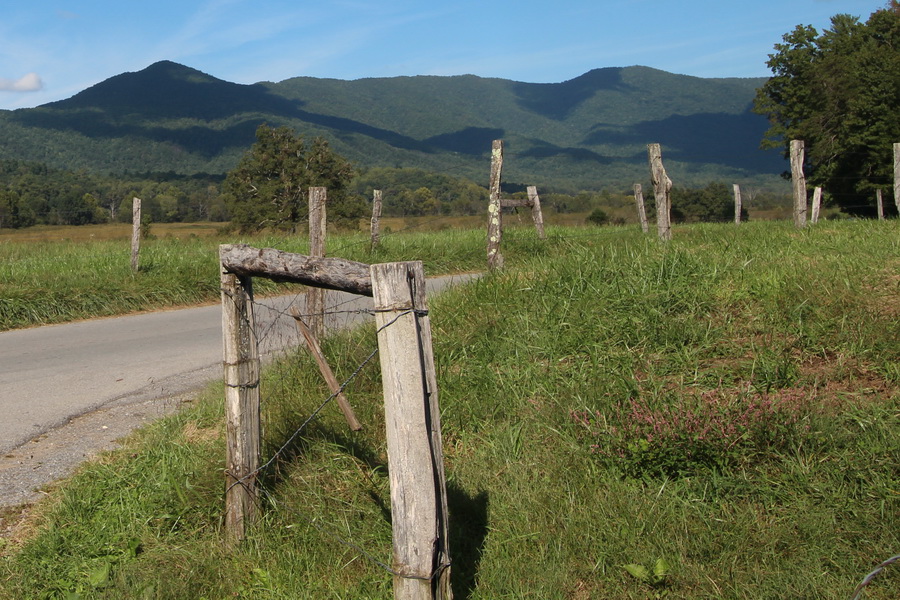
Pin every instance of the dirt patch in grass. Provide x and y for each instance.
(844, 379)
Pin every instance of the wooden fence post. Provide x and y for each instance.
(495, 210)
(798, 179)
(642, 211)
(879, 203)
(662, 187)
(536, 215)
(738, 204)
(897, 177)
(242, 424)
(315, 297)
(376, 217)
(412, 416)
(816, 205)
(135, 232)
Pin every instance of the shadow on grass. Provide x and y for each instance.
(468, 532)
(468, 514)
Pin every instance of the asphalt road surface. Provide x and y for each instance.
(69, 391)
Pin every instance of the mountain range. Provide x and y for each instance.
(589, 132)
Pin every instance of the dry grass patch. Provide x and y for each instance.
(195, 434)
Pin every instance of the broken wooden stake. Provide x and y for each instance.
(662, 188)
(798, 180)
(313, 344)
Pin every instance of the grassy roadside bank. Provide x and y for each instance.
(55, 281)
(729, 403)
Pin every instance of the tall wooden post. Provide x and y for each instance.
(816, 205)
(897, 177)
(536, 215)
(242, 424)
(315, 297)
(642, 211)
(662, 187)
(495, 210)
(376, 217)
(798, 179)
(412, 416)
(738, 205)
(879, 203)
(135, 232)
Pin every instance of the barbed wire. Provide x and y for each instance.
(868, 578)
(281, 451)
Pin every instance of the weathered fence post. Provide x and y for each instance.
(662, 187)
(495, 210)
(897, 177)
(315, 297)
(879, 203)
(135, 232)
(412, 416)
(738, 205)
(816, 205)
(241, 365)
(536, 215)
(376, 217)
(798, 179)
(642, 211)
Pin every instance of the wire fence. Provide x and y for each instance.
(277, 333)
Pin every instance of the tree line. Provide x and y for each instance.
(838, 90)
(268, 190)
(34, 194)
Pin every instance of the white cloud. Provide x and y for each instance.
(29, 83)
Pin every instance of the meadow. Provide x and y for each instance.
(716, 417)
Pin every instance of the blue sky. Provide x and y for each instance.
(50, 50)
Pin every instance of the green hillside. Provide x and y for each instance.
(590, 132)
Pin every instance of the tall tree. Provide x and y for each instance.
(269, 186)
(838, 91)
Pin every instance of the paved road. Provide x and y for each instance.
(100, 372)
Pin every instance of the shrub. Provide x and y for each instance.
(598, 217)
(712, 430)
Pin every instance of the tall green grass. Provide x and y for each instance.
(59, 281)
(548, 372)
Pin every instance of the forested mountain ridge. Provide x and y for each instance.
(586, 133)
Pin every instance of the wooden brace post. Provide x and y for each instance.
(313, 344)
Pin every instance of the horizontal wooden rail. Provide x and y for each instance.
(331, 273)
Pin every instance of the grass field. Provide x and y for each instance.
(723, 410)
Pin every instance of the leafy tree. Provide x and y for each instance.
(839, 90)
(269, 186)
(12, 214)
(712, 203)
